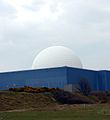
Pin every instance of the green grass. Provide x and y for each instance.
(88, 113)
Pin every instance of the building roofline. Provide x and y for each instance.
(55, 68)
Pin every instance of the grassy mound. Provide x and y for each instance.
(21, 100)
(56, 99)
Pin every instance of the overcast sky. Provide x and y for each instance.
(28, 26)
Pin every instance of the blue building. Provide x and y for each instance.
(55, 77)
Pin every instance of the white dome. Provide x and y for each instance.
(56, 56)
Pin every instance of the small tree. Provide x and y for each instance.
(84, 87)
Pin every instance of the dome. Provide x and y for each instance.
(56, 56)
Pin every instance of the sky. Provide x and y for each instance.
(29, 26)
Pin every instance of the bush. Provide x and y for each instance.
(65, 97)
(33, 90)
(101, 96)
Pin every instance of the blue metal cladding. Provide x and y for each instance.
(108, 80)
(52, 78)
(55, 77)
(104, 80)
(98, 80)
(75, 75)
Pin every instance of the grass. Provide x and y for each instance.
(97, 112)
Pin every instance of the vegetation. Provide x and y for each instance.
(12, 100)
(23, 100)
(70, 98)
(27, 103)
(53, 104)
(84, 87)
(59, 95)
(81, 112)
(33, 90)
(83, 96)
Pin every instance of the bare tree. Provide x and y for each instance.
(84, 87)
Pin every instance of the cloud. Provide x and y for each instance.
(28, 26)
(6, 10)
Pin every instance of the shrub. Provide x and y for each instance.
(65, 97)
(33, 90)
(101, 96)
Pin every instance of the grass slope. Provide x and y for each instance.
(17, 100)
(42, 107)
(88, 113)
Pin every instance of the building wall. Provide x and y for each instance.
(98, 80)
(75, 75)
(108, 80)
(55, 77)
(104, 80)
